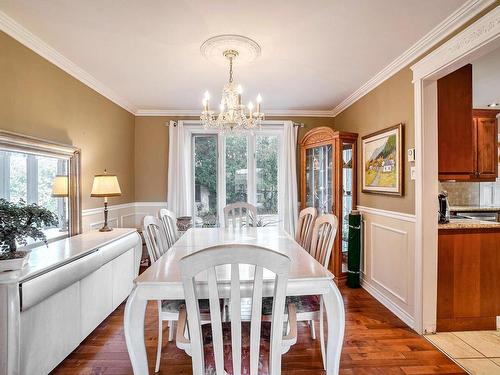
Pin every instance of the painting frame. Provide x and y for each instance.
(393, 165)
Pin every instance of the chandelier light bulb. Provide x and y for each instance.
(221, 107)
(207, 95)
(250, 108)
(259, 98)
(239, 89)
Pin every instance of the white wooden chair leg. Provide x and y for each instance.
(321, 332)
(160, 342)
(313, 332)
(170, 330)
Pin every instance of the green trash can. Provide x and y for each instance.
(354, 250)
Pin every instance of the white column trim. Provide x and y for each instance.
(476, 40)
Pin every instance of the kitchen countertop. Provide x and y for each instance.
(470, 224)
(474, 208)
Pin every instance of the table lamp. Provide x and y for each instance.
(105, 186)
(60, 190)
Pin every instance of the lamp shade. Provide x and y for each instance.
(105, 185)
(60, 186)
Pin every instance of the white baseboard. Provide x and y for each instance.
(395, 309)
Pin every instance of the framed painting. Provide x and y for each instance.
(382, 161)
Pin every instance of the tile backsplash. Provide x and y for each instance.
(462, 193)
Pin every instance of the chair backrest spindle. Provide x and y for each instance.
(238, 214)
(305, 226)
(323, 236)
(169, 224)
(156, 242)
(232, 256)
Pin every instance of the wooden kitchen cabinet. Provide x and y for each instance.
(486, 128)
(467, 138)
(468, 285)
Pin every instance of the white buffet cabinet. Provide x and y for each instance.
(63, 294)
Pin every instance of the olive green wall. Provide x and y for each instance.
(387, 105)
(39, 99)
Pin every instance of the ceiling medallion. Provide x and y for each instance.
(233, 114)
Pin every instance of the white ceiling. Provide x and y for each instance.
(486, 80)
(315, 53)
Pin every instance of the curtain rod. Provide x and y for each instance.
(297, 124)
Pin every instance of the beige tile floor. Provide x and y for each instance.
(478, 352)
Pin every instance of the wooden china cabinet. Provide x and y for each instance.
(328, 182)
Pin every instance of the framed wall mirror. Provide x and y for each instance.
(45, 173)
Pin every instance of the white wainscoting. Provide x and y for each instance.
(388, 272)
(127, 215)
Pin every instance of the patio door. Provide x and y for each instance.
(229, 168)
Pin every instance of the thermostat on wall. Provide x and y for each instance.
(411, 154)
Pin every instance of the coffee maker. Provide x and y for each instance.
(444, 208)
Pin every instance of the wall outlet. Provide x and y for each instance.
(413, 173)
(411, 154)
(498, 323)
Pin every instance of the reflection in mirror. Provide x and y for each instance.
(37, 179)
(44, 173)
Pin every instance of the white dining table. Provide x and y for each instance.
(162, 280)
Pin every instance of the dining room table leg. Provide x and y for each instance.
(135, 311)
(335, 315)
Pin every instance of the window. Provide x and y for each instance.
(30, 178)
(205, 179)
(246, 170)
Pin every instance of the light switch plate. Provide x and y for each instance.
(411, 154)
(413, 173)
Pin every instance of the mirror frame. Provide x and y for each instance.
(11, 141)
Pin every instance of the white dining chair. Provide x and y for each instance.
(239, 214)
(168, 310)
(220, 346)
(305, 226)
(169, 223)
(154, 235)
(310, 308)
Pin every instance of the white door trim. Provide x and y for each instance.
(476, 40)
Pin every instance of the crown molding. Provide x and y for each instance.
(270, 113)
(168, 112)
(30, 40)
(458, 18)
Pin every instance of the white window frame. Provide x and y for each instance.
(269, 128)
(52, 233)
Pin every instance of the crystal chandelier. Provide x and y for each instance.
(233, 115)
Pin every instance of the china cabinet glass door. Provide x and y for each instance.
(347, 192)
(318, 171)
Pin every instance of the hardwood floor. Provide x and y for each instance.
(376, 342)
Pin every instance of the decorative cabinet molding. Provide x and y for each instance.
(324, 183)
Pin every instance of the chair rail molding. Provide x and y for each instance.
(458, 18)
(476, 40)
(387, 213)
(121, 215)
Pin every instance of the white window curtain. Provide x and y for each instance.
(179, 169)
(288, 189)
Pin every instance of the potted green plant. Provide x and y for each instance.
(18, 221)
